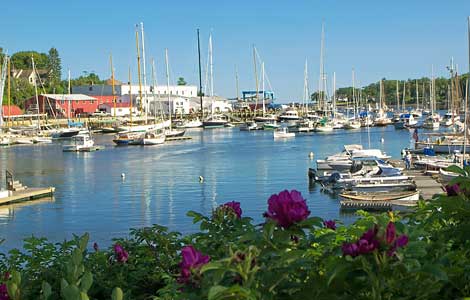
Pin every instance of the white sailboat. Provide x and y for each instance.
(171, 132)
(354, 122)
(432, 121)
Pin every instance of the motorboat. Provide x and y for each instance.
(283, 133)
(352, 124)
(265, 118)
(42, 140)
(305, 125)
(80, 142)
(196, 123)
(155, 137)
(444, 144)
(289, 115)
(449, 119)
(431, 122)
(24, 141)
(343, 161)
(66, 133)
(404, 196)
(249, 126)
(271, 125)
(128, 138)
(406, 121)
(5, 141)
(215, 121)
(171, 133)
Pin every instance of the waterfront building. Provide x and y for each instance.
(11, 111)
(121, 109)
(62, 105)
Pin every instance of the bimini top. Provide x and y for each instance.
(352, 147)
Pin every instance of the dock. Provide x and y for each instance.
(27, 195)
(426, 184)
(177, 138)
(17, 192)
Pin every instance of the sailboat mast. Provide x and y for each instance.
(262, 87)
(168, 86)
(138, 67)
(466, 100)
(256, 78)
(155, 98)
(36, 90)
(321, 87)
(417, 95)
(236, 84)
(200, 74)
(403, 96)
(9, 91)
(130, 96)
(211, 66)
(113, 83)
(398, 98)
(306, 86)
(69, 103)
(144, 73)
(353, 93)
(334, 95)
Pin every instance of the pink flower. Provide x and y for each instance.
(330, 224)
(191, 260)
(350, 249)
(4, 292)
(287, 208)
(235, 207)
(120, 254)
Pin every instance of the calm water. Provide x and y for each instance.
(161, 182)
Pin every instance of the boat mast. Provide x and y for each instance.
(256, 78)
(398, 98)
(130, 96)
(211, 78)
(144, 73)
(236, 83)
(354, 94)
(154, 83)
(138, 66)
(262, 87)
(466, 100)
(306, 86)
(417, 95)
(403, 97)
(8, 92)
(200, 74)
(168, 85)
(321, 89)
(2, 86)
(112, 83)
(36, 91)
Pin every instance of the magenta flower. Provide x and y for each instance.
(191, 260)
(287, 208)
(453, 190)
(120, 254)
(4, 292)
(330, 224)
(350, 249)
(390, 233)
(95, 246)
(235, 206)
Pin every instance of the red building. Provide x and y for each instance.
(63, 105)
(11, 111)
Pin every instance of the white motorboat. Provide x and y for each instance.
(283, 133)
(81, 142)
(153, 138)
(271, 125)
(409, 196)
(42, 140)
(24, 141)
(171, 133)
(289, 115)
(265, 118)
(352, 124)
(249, 126)
(447, 176)
(406, 121)
(5, 141)
(215, 121)
(449, 119)
(431, 122)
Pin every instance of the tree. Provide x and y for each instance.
(181, 81)
(22, 60)
(54, 66)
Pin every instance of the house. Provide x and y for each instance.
(63, 105)
(29, 75)
(120, 109)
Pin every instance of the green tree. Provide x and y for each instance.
(54, 65)
(181, 81)
(22, 60)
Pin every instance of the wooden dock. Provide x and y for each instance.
(177, 138)
(27, 194)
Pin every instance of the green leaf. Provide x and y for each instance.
(84, 241)
(310, 222)
(83, 296)
(46, 290)
(216, 292)
(268, 229)
(195, 215)
(437, 272)
(456, 169)
(86, 281)
(211, 266)
(71, 292)
(12, 289)
(117, 294)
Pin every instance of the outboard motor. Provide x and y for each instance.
(312, 174)
(332, 179)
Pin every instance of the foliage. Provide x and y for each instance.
(54, 65)
(181, 81)
(422, 254)
(22, 60)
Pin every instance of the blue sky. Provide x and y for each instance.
(393, 39)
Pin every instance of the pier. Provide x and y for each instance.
(17, 192)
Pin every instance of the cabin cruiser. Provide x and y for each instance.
(249, 126)
(417, 113)
(431, 122)
(449, 119)
(128, 138)
(304, 125)
(342, 161)
(66, 133)
(189, 124)
(79, 142)
(271, 125)
(406, 121)
(289, 115)
(282, 133)
(215, 121)
(265, 118)
(154, 137)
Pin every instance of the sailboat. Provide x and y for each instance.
(264, 117)
(381, 118)
(418, 112)
(171, 132)
(214, 120)
(354, 122)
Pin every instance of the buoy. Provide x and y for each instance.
(311, 155)
(201, 179)
(382, 140)
(123, 175)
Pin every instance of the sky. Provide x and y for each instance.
(397, 39)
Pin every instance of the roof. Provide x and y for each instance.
(11, 110)
(68, 97)
(118, 104)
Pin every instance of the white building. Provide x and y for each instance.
(122, 109)
(123, 89)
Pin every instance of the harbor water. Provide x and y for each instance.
(161, 183)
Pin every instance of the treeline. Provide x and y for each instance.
(371, 92)
(49, 68)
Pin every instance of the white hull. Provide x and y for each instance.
(324, 129)
(156, 141)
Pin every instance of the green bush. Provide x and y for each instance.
(423, 254)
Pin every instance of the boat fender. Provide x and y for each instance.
(382, 140)
(201, 179)
(123, 176)
(311, 155)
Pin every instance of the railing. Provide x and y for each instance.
(9, 179)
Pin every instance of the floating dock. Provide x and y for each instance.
(27, 195)
(177, 138)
